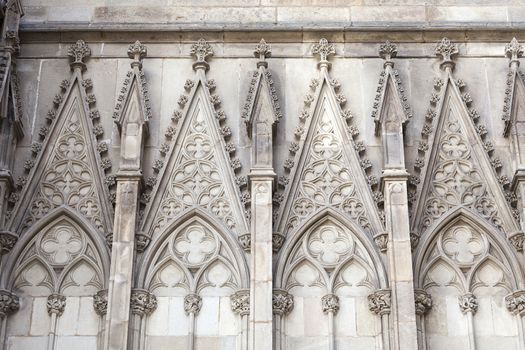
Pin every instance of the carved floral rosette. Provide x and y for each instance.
(100, 302)
(282, 302)
(330, 303)
(192, 304)
(9, 303)
(423, 301)
(142, 302)
(240, 302)
(379, 302)
(468, 303)
(56, 303)
(515, 302)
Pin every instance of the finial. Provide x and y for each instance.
(446, 50)
(78, 52)
(323, 49)
(387, 51)
(201, 49)
(514, 50)
(262, 52)
(137, 52)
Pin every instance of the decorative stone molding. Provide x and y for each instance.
(142, 302)
(379, 302)
(282, 302)
(516, 239)
(240, 302)
(447, 50)
(515, 302)
(324, 49)
(514, 50)
(468, 303)
(381, 240)
(142, 241)
(56, 303)
(7, 242)
(277, 241)
(100, 302)
(201, 50)
(192, 304)
(79, 52)
(330, 303)
(423, 301)
(9, 303)
(245, 241)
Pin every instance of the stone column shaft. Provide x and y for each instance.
(121, 271)
(399, 252)
(261, 291)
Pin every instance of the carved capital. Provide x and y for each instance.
(414, 240)
(137, 52)
(324, 49)
(240, 302)
(515, 302)
(245, 241)
(330, 303)
(100, 302)
(142, 241)
(468, 303)
(201, 50)
(282, 302)
(447, 50)
(387, 51)
(79, 52)
(56, 303)
(423, 301)
(262, 52)
(9, 303)
(277, 241)
(516, 239)
(142, 302)
(381, 240)
(379, 302)
(514, 50)
(192, 304)
(7, 242)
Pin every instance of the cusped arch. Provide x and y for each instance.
(156, 248)
(53, 218)
(497, 241)
(328, 215)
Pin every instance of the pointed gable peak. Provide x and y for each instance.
(68, 170)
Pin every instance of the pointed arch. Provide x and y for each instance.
(56, 216)
(318, 220)
(473, 220)
(182, 221)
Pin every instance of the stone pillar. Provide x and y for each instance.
(9, 304)
(330, 304)
(380, 303)
(100, 304)
(133, 125)
(515, 303)
(282, 304)
(143, 303)
(192, 307)
(240, 302)
(468, 303)
(56, 303)
(423, 303)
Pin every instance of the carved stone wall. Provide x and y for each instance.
(163, 188)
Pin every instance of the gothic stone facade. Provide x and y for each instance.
(171, 180)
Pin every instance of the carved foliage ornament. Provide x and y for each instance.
(423, 301)
(79, 52)
(240, 302)
(100, 302)
(282, 302)
(447, 50)
(56, 303)
(9, 303)
(388, 50)
(379, 302)
(142, 302)
(330, 303)
(201, 50)
(7, 242)
(468, 303)
(515, 303)
(262, 50)
(193, 304)
(137, 51)
(323, 49)
(513, 50)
